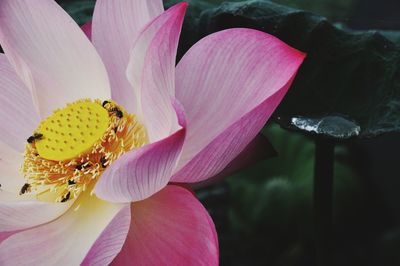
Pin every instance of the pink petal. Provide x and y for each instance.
(18, 120)
(87, 29)
(17, 215)
(140, 173)
(51, 54)
(116, 24)
(11, 179)
(170, 228)
(18, 116)
(110, 242)
(151, 72)
(5, 235)
(224, 148)
(229, 83)
(67, 240)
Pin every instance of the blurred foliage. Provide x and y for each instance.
(334, 10)
(347, 75)
(265, 216)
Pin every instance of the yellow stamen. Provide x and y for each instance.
(76, 144)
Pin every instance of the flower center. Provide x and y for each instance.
(70, 149)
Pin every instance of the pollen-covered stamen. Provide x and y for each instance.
(76, 144)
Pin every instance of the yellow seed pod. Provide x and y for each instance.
(72, 131)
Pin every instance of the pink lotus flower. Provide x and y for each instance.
(164, 124)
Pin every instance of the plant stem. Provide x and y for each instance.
(323, 192)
